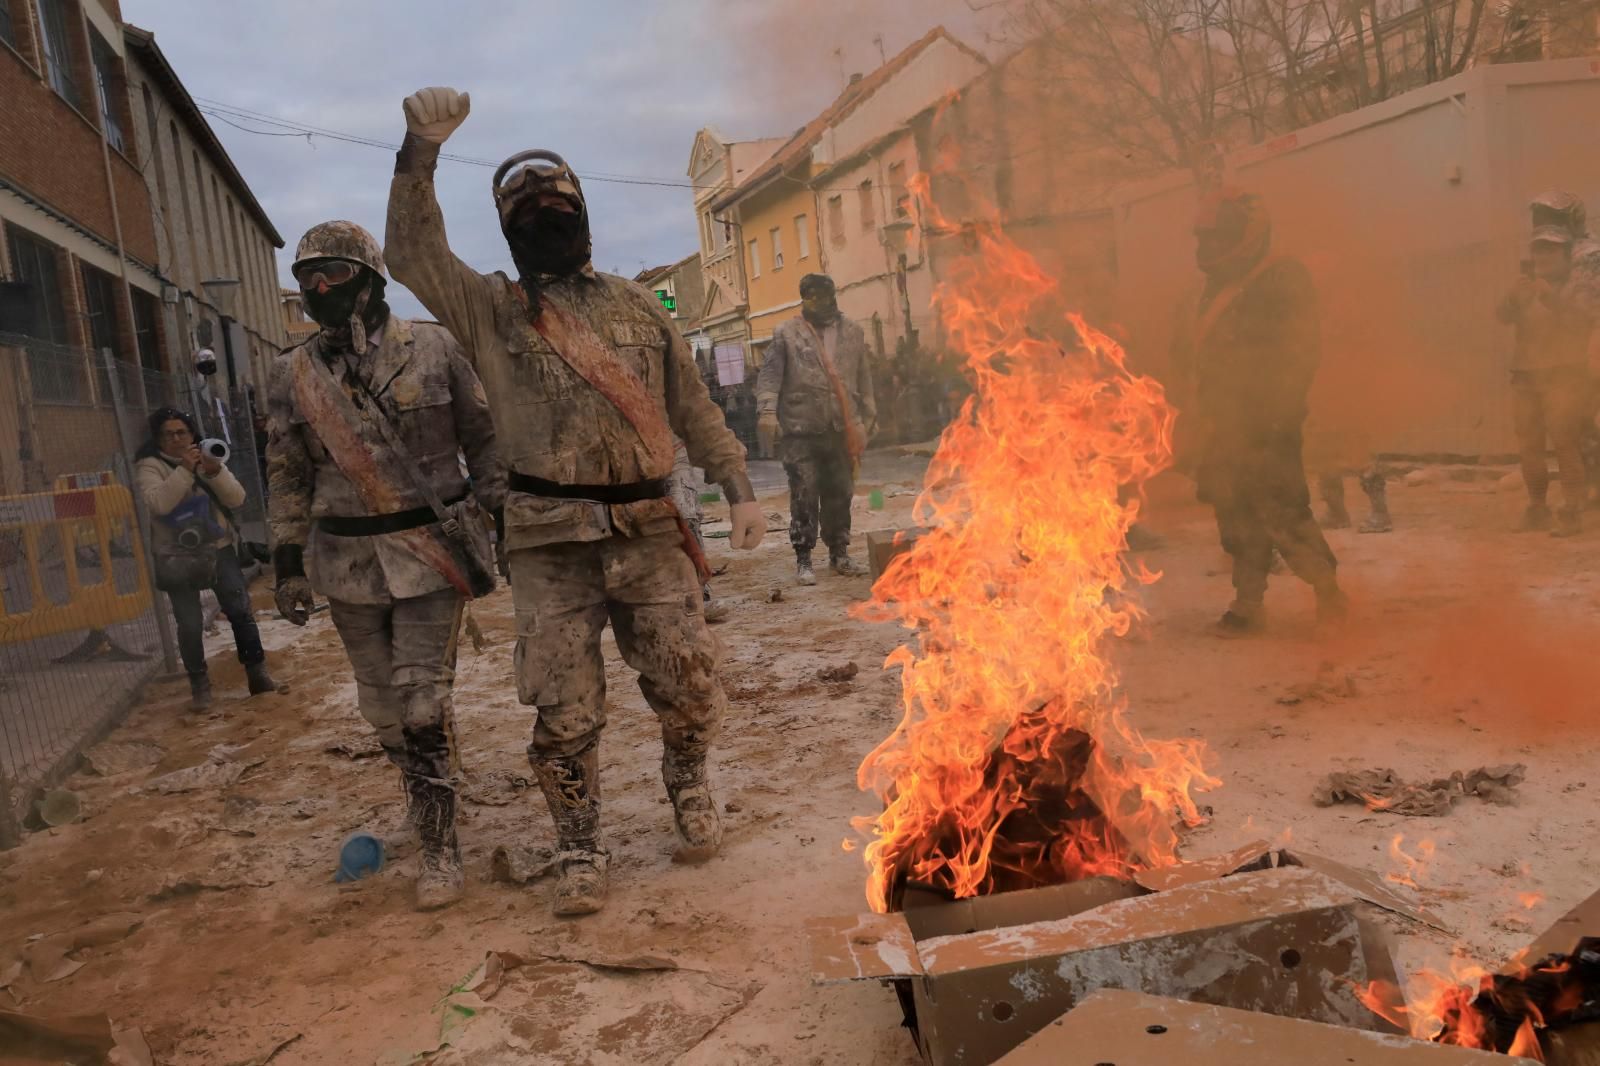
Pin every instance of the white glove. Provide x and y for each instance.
(749, 525)
(433, 114)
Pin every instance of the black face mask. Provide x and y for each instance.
(360, 297)
(820, 308)
(549, 241)
(332, 309)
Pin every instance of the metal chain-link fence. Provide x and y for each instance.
(82, 626)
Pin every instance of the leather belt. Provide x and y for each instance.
(378, 524)
(656, 489)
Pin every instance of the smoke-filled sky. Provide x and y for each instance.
(617, 86)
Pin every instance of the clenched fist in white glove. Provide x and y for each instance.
(433, 114)
(749, 525)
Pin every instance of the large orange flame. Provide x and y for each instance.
(1013, 763)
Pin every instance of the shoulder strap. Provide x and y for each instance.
(391, 437)
(854, 443)
(227, 512)
(1213, 313)
(577, 345)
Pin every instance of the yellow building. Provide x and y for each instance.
(775, 208)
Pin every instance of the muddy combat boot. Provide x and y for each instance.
(1331, 488)
(199, 691)
(400, 835)
(1242, 619)
(1377, 490)
(258, 679)
(571, 787)
(802, 569)
(694, 812)
(439, 876)
(841, 564)
(1536, 519)
(1569, 523)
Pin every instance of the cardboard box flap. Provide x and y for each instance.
(1193, 871)
(1583, 920)
(1133, 1029)
(861, 947)
(1248, 898)
(1365, 885)
(1260, 855)
(1015, 908)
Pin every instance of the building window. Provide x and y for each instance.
(100, 307)
(836, 219)
(755, 259)
(869, 212)
(57, 49)
(146, 335)
(898, 189)
(802, 236)
(105, 83)
(706, 241)
(8, 30)
(56, 372)
(777, 248)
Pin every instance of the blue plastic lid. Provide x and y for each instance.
(361, 855)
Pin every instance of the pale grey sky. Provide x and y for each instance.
(618, 87)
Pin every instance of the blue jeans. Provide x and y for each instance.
(234, 598)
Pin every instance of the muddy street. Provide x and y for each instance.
(240, 948)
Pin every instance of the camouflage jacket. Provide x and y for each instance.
(435, 402)
(794, 383)
(552, 424)
(1244, 381)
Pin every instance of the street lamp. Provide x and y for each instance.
(896, 238)
(223, 292)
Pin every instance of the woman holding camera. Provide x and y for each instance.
(190, 496)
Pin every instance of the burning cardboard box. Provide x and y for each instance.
(1121, 1028)
(884, 545)
(1257, 929)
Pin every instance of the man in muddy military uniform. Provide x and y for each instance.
(352, 522)
(589, 382)
(814, 394)
(1243, 360)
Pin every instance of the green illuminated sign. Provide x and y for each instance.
(668, 301)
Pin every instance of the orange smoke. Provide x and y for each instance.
(1013, 762)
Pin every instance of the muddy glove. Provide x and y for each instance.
(433, 114)
(768, 431)
(749, 525)
(293, 589)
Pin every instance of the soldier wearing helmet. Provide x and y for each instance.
(1552, 311)
(366, 421)
(1245, 357)
(590, 383)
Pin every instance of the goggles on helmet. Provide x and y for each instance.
(531, 173)
(329, 272)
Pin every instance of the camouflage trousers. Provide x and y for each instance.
(645, 587)
(403, 655)
(1254, 524)
(821, 483)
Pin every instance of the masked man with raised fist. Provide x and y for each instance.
(589, 382)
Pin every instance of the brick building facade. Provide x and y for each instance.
(97, 248)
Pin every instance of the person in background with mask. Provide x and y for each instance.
(814, 394)
(1552, 390)
(190, 494)
(590, 382)
(347, 503)
(1243, 361)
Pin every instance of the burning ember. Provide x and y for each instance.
(1013, 764)
(1502, 1012)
